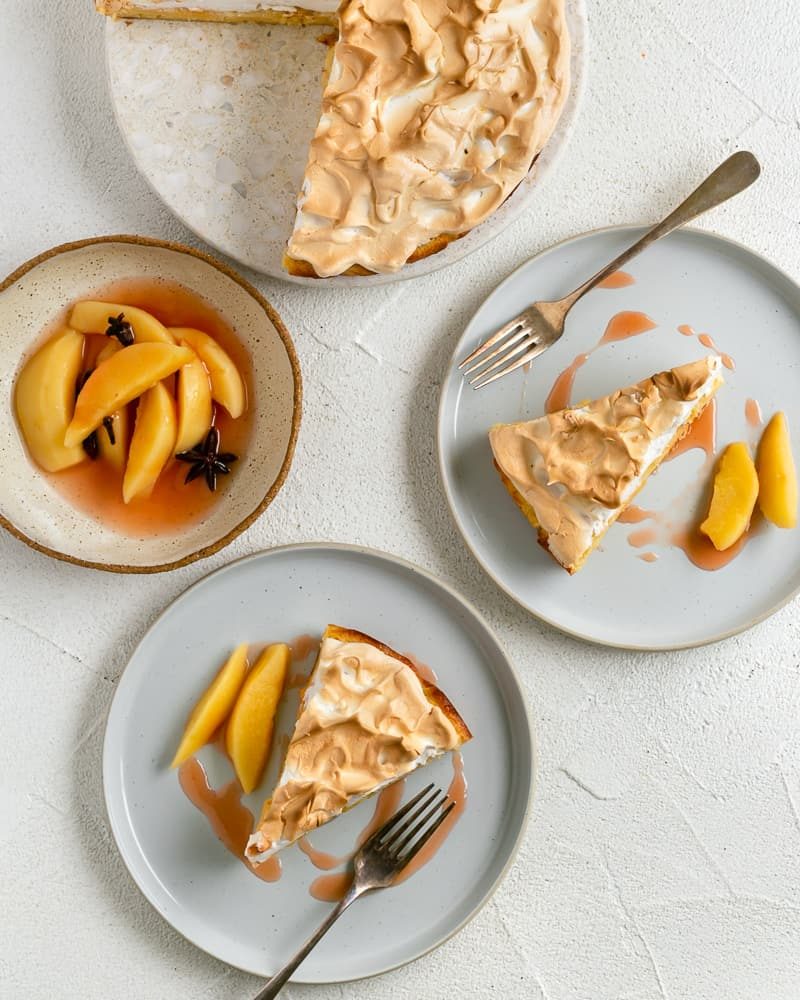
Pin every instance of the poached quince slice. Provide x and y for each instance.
(248, 734)
(777, 476)
(113, 441)
(93, 317)
(214, 706)
(733, 499)
(118, 380)
(227, 385)
(152, 442)
(195, 408)
(112, 438)
(44, 399)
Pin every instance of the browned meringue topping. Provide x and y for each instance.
(365, 722)
(571, 465)
(433, 113)
(597, 450)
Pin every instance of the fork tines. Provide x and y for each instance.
(512, 346)
(398, 842)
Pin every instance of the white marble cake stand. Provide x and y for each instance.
(218, 118)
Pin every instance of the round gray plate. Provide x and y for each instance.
(752, 311)
(202, 890)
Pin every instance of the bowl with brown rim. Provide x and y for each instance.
(35, 297)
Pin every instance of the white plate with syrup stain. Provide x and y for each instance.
(207, 892)
(690, 294)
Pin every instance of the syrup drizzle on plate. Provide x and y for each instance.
(621, 326)
(227, 815)
(619, 279)
(634, 515)
(753, 414)
(702, 434)
(644, 536)
(699, 550)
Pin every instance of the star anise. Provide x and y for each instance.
(207, 460)
(90, 444)
(120, 328)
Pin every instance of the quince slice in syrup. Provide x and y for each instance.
(214, 706)
(152, 443)
(777, 476)
(227, 386)
(44, 399)
(249, 731)
(93, 317)
(118, 380)
(115, 451)
(734, 497)
(195, 409)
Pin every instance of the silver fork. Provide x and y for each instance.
(539, 326)
(376, 865)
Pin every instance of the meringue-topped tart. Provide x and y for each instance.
(433, 112)
(573, 472)
(366, 719)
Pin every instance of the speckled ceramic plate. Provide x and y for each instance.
(200, 888)
(219, 117)
(722, 290)
(36, 294)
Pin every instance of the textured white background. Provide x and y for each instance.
(663, 860)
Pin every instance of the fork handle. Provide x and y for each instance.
(731, 177)
(279, 980)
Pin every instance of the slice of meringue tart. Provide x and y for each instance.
(367, 718)
(573, 472)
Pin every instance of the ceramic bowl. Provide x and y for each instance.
(33, 296)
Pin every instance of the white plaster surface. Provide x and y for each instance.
(663, 860)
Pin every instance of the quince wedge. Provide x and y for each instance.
(152, 442)
(249, 731)
(214, 706)
(777, 476)
(227, 385)
(114, 452)
(44, 400)
(93, 317)
(118, 380)
(195, 408)
(733, 499)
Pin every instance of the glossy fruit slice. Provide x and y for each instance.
(114, 452)
(214, 706)
(734, 497)
(777, 476)
(249, 731)
(44, 400)
(152, 443)
(195, 409)
(118, 380)
(93, 317)
(227, 386)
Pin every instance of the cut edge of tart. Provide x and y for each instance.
(366, 719)
(574, 472)
(222, 11)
